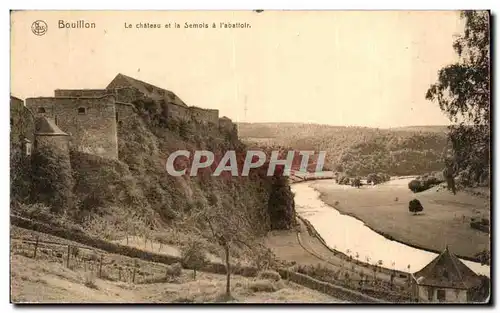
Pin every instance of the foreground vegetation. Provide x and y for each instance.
(462, 91)
(47, 280)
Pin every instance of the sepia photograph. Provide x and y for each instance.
(251, 156)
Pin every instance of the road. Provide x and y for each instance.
(306, 249)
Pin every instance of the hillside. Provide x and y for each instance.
(358, 150)
(47, 279)
(135, 196)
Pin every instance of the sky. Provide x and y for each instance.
(346, 68)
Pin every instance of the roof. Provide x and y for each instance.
(16, 98)
(46, 127)
(151, 91)
(447, 271)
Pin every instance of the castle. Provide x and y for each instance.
(88, 119)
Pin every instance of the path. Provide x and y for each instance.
(305, 249)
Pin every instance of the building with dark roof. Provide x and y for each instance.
(444, 279)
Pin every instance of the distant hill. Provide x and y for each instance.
(409, 150)
(430, 128)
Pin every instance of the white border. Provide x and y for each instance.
(188, 5)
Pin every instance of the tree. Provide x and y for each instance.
(415, 206)
(20, 174)
(193, 256)
(263, 257)
(415, 185)
(372, 178)
(463, 93)
(229, 227)
(356, 182)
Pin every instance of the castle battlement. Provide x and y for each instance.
(91, 116)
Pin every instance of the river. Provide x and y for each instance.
(351, 236)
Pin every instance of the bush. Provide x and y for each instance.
(36, 211)
(271, 275)
(263, 258)
(343, 180)
(415, 206)
(176, 269)
(193, 256)
(356, 182)
(52, 179)
(415, 185)
(262, 285)
(481, 225)
(173, 271)
(246, 271)
(423, 183)
(377, 178)
(102, 182)
(90, 281)
(484, 257)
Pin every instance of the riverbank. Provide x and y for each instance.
(352, 237)
(384, 210)
(311, 256)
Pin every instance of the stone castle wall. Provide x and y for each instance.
(60, 143)
(124, 111)
(178, 112)
(22, 122)
(122, 94)
(129, 95)
(204, 115)
(91, 116)
(90, 122)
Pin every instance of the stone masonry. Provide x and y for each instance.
(90, 122)
(91, 116)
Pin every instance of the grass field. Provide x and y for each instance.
(384, 208)
(46, 279)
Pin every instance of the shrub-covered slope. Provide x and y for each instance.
(135, 192)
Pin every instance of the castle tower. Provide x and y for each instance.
(48, 135)
(90, 122)
(52, 177)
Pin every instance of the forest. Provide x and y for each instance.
(359, 151)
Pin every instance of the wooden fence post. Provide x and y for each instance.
(36, 247)
(67, 257)
(100, 267)
(133, 273)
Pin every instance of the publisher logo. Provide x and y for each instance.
(39, 27)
